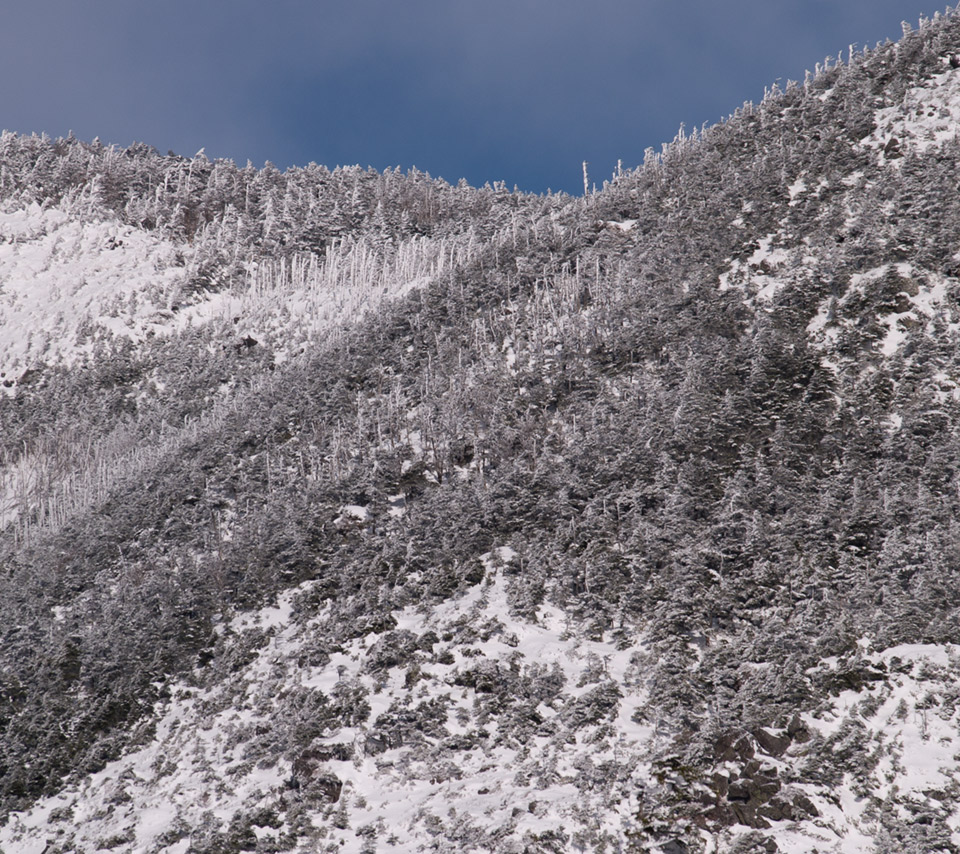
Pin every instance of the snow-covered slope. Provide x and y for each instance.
(897, 729)
(928, 117)
(65, 278)
(68, 279)
(427, 760)
(74, 281)
(435, 756)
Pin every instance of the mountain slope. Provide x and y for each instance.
(363, 512)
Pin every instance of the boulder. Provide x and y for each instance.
(772, 745)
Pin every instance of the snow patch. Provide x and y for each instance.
(923, 299)
(906, 719)
(795, 189)
(926, 118)
(755, 275)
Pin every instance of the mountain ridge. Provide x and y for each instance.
(365, 512)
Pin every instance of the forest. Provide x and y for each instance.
(420, 517)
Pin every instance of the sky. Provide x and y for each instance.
(520, 91)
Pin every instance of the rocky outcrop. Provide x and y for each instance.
(752, 792)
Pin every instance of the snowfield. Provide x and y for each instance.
(67, 281)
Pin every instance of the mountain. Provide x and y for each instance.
(349, 511)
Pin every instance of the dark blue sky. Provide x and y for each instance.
(515, 90)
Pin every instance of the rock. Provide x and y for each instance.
(723, 748)
(307, 766)
(892, 148)
(721, 784)
(744, 748)
(747, 815)
(31, 376)
(773, 745)
(805, 806)
(798, 730)
(335, 752)
(375, 744)
(309, 775)
(707, 798)
(777, 810)
(719, 816)
(329, 787)
(754, 843)
(730, 747)
(766, 790)
(755, 788)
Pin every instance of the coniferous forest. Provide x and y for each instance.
(355, 511)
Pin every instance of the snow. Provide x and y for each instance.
(896, 334)
(927, 303)
(398, 504)
(510, 355)
(624, 225)
(61, 277)
(67, 280)
(195, 763)
(820, 320)
(756, 274)
(927, 117)
(355, 510)
(945, 387)
(912, 728)
(766, 254)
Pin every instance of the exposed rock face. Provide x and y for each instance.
(749, 791)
